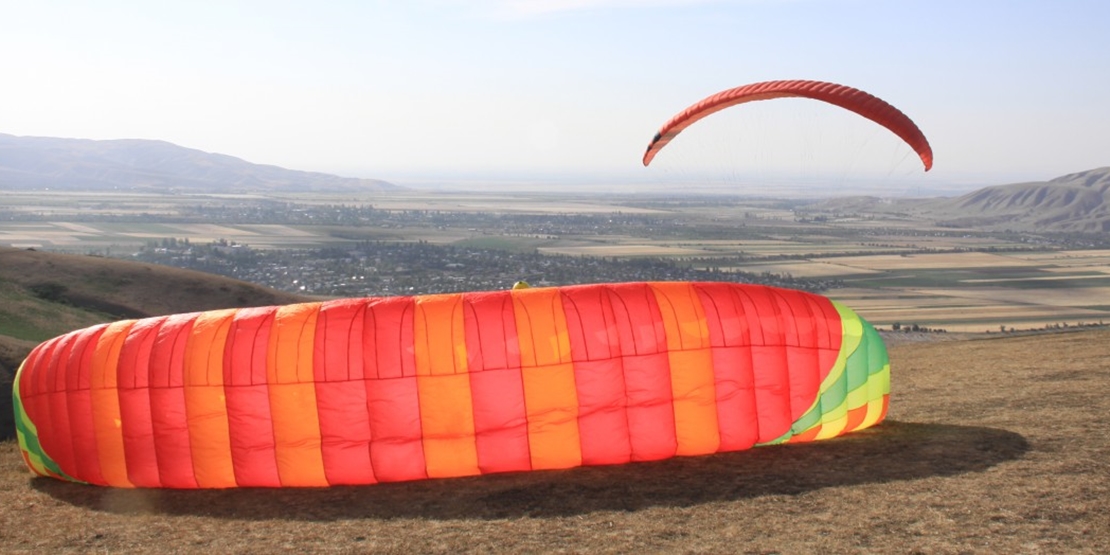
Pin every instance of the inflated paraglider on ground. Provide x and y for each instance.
(359, 391)
(855, 100)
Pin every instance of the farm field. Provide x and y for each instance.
(979, 291)
(890, 271)
(75, 237)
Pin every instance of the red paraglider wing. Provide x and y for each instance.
(862, 103)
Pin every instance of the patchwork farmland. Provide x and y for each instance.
(893, 272)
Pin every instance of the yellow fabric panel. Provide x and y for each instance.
(874, 411)
(695, 403)
(296, 421)
(833, 423)
(439, 335)
(443, 385)
(105, 404)
(552, 404)
(691, 363)
(205, 403)
(447, 421)
(541, 327)
(550, 394)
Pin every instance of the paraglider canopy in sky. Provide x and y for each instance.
(855, 100)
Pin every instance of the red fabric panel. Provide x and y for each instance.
(803, 333)
(397, 448)
(250, 426)
(501, 426)
(772, 391)
(769, 363)
(58, 401)
(834, 327)
(734, 380)
(388, 337)
(56, 404)
(598, 376)
(81, 422)
(340, 397)
(496, 384)
(33, 379)
(134, 403)
(167, 397)
(41, 378)
(33, 391)
(396, 445)
(647, 373)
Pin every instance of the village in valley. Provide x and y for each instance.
(899, 272)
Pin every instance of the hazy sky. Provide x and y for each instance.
(508, 89)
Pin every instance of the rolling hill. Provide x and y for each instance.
(43, 295)
(1073, 202)
(1077, 202)
(136, 164)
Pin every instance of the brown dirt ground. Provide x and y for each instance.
(992, 446)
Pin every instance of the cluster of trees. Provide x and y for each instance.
(898, 326)
(371, 268)
(1050, 327)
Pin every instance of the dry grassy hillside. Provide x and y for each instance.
(43, 295)
(1077, 202)
(992, 446)
(128, 289)
(1073, 202)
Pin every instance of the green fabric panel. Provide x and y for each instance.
(876, 349)
(859, 363)
(28, 435)
(834, 397)
(859, 376)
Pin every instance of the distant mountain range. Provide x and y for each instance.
(135, 164)
(1077, 202)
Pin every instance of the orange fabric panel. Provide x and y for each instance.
(550, 395)
(300, 461)
(440, 341)
(856, 417)
(205, 403)
(105, 404)
(806, 436)
(691, 361)
(443, 385)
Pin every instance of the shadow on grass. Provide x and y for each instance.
(892, 451)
